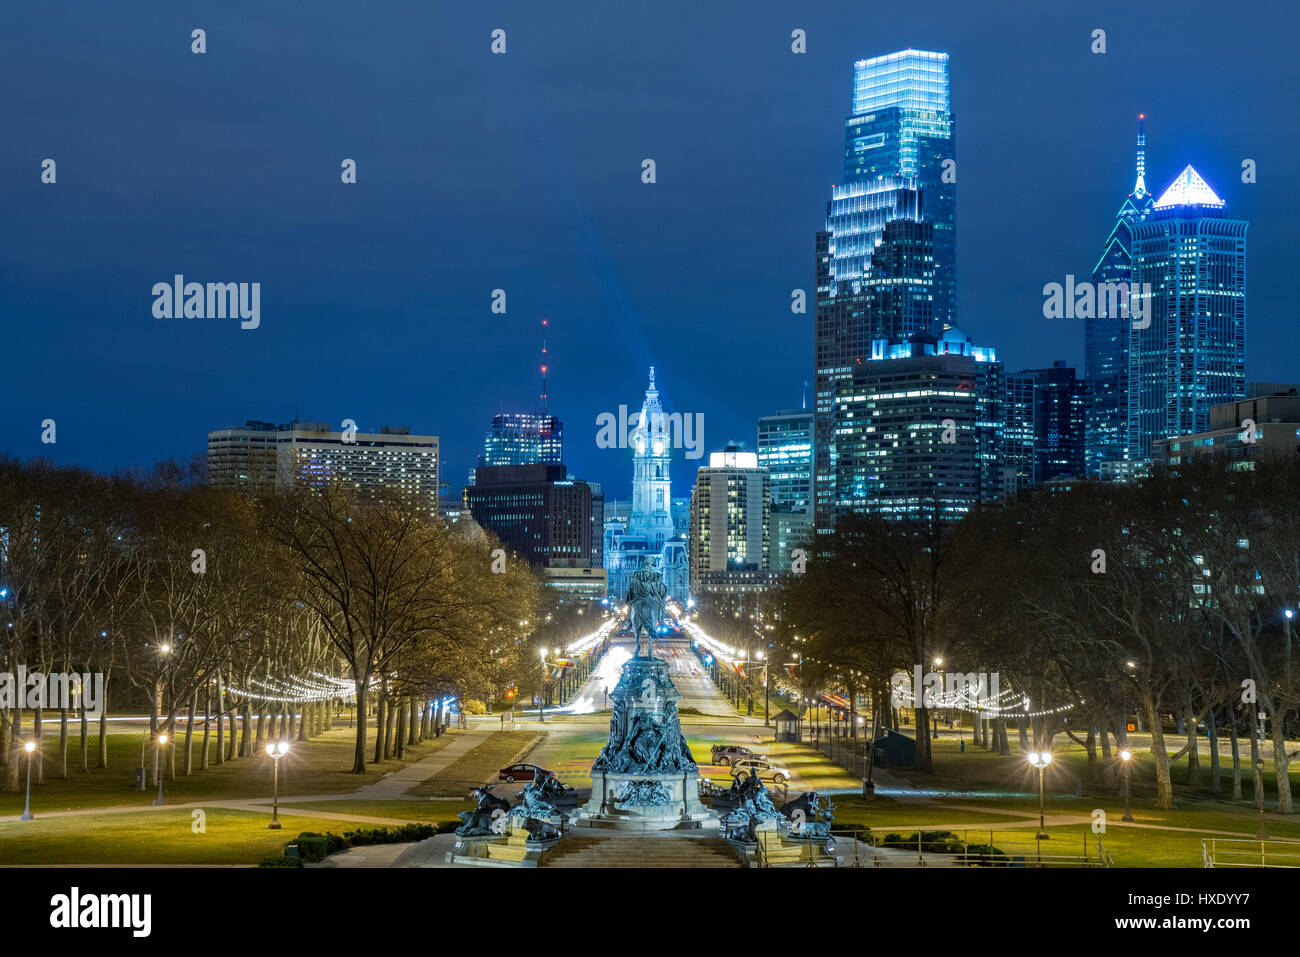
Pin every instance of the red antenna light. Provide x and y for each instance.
(544, 368)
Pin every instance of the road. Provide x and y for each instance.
(684, 669)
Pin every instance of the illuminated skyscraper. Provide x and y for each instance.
(901, 126)
(785, 450)
(886, 261)
(1187, 348)
(523, 438)
(1044, 431)
(1105, 348)
(918, 429)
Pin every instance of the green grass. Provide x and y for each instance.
(980, 770)
(416, 811)
(318, 766)
(479, 766)
(882, 814)
(154, 837)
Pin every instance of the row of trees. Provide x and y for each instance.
(1170, 599)
(211, 606)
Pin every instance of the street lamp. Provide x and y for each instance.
(938, 663)
(29, 747)
(163, 649)
(1126, 756)
(1260, 718)
(276, 751)
(158, 773)
(541, 689)
(1040, 760)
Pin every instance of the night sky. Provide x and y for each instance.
(523, 172)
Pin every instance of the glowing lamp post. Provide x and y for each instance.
(276, 751)
(1126, 756)
(30, 748)
(1040, 760)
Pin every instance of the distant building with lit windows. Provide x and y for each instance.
(1044, 434)
(1273, 413)
(540, 513)
(649, 529)
(391, 461)
(730, 511)
(1191, 354)
(1106, 338)
(522, 438)
(885, 264)
(919, 429)
(785, 450)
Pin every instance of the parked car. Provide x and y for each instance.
(726, 754)
(521, 772)
(766, 770)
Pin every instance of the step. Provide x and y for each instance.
(584, 851)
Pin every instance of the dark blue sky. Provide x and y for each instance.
(522, 172)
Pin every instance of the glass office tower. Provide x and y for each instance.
(919, 429)
(1192, 353)
(785, 450)
(901, 126)
(522, 438)
(886, 262)
(1105, 347)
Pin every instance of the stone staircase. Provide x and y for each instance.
(656, 850)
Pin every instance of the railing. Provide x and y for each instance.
(851, 836)
(1243, 852)
(1007, 853)
(836, 741)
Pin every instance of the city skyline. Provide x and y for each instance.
(412, 331)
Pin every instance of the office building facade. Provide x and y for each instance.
(919, 430)
(389, 463)
(886, 260)
(785, 449)
(1106, 338)
(730, 510)
(522, 438)
(1187, 352)
(1266, 422)
(540, 513)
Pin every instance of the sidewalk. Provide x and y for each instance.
(393, 787)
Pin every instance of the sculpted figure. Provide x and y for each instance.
(646, 596)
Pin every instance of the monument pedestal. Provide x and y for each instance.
(670, 801)
(645, 778)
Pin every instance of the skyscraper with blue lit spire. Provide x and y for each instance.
(1105, 347)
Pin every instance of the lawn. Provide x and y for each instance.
(155, 837)
(431, 812)
(980, 770)
(479, 766)
(318, 766)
